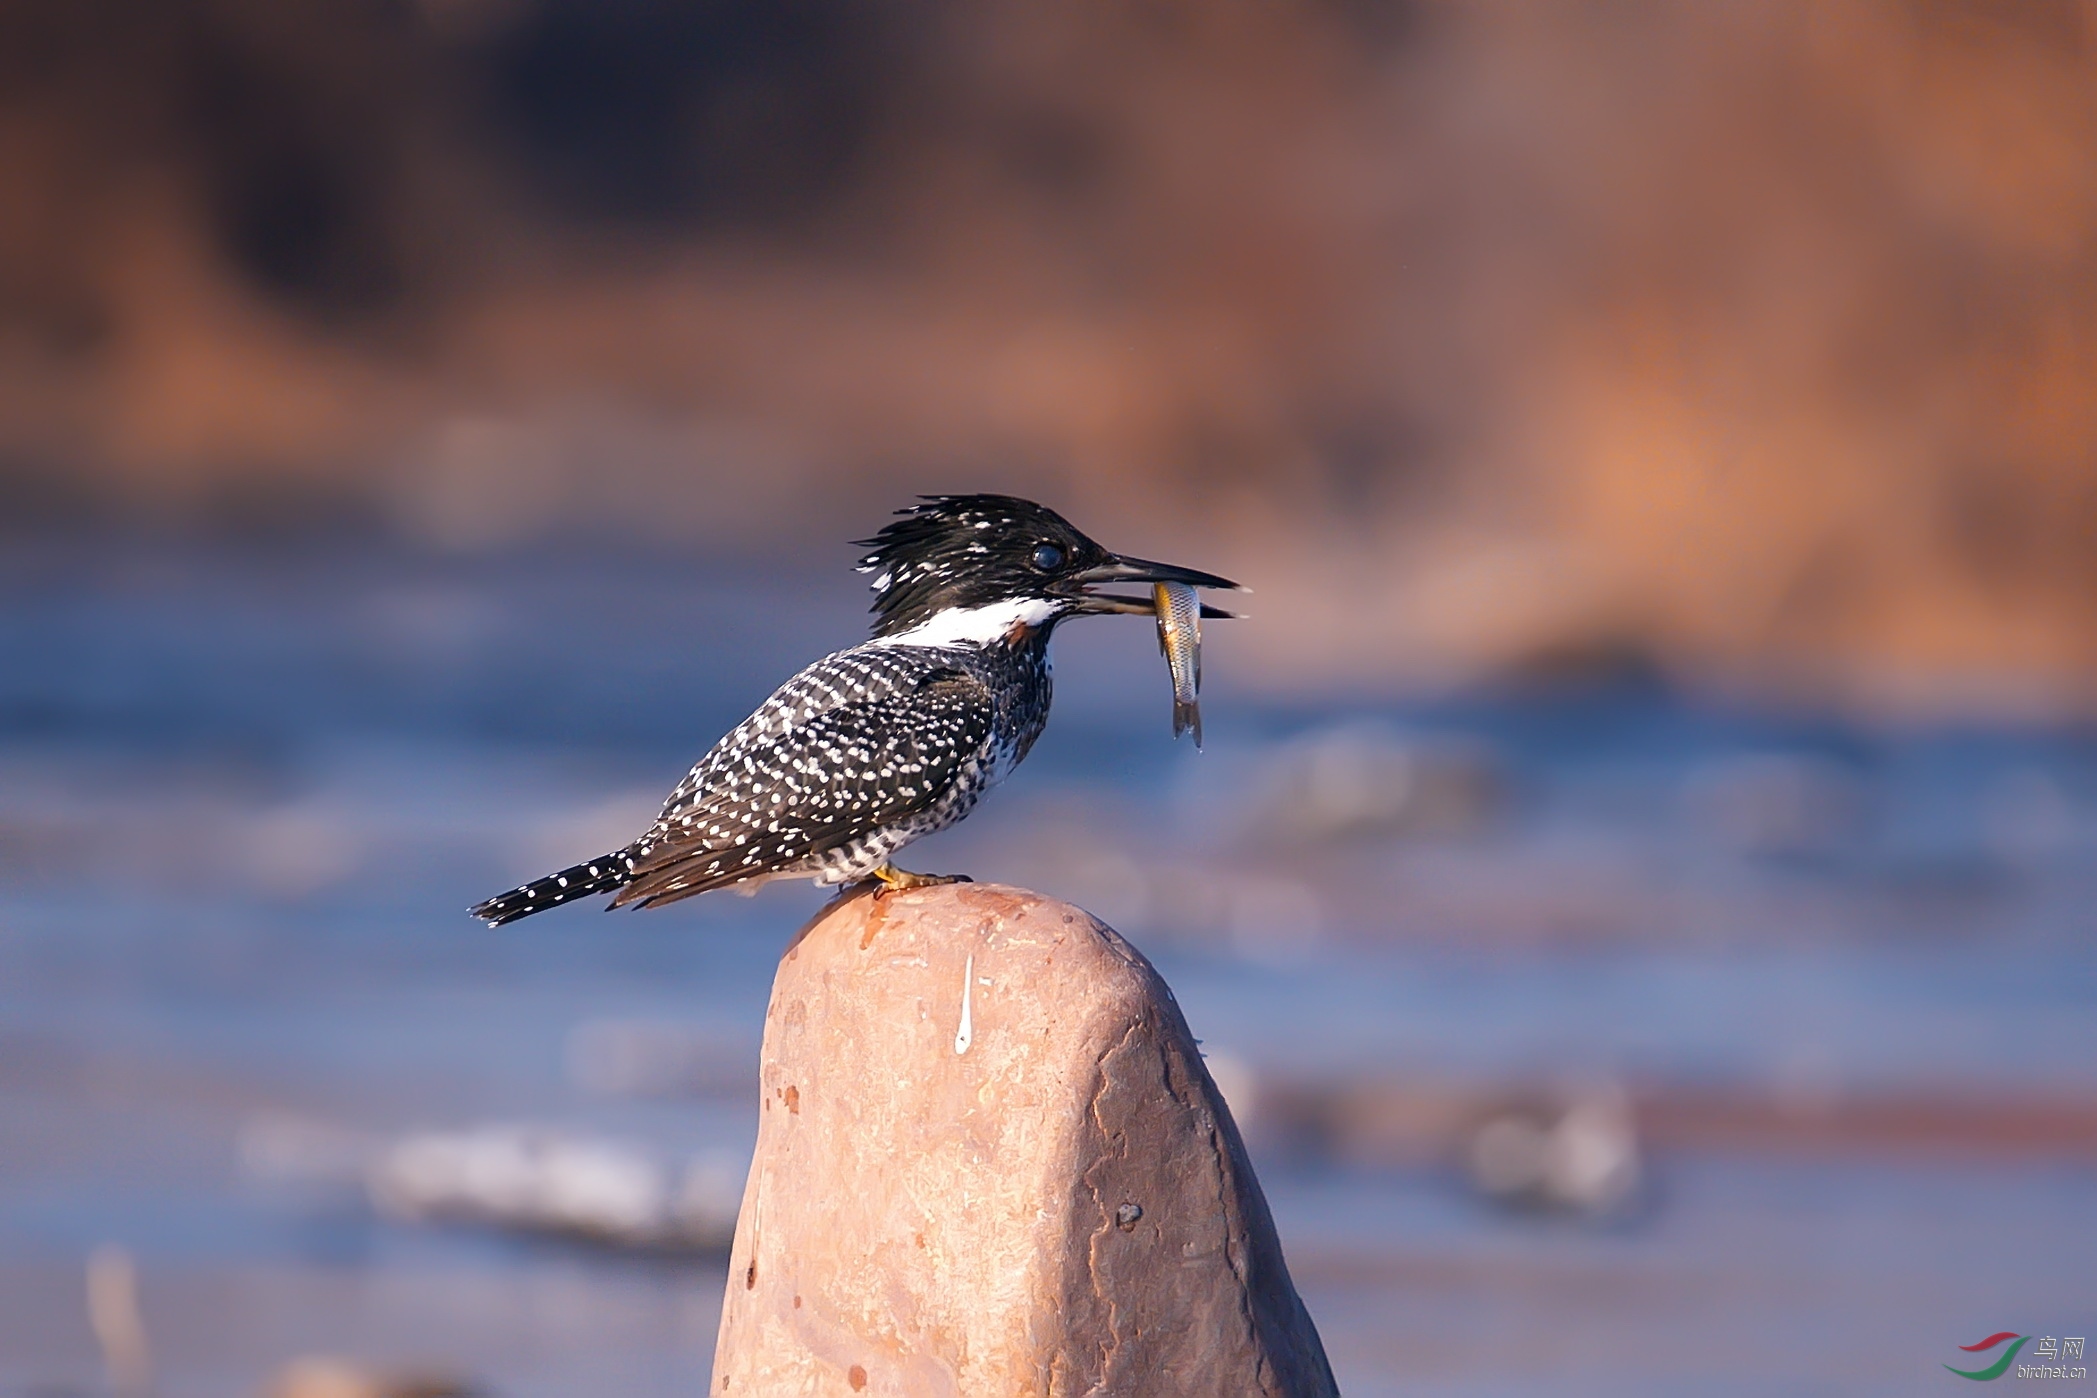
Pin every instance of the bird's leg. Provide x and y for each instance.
(893, 880)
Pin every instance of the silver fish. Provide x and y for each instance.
(1179, 638)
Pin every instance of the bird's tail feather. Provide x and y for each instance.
(599, 875)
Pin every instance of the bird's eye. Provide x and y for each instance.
(1047, 558)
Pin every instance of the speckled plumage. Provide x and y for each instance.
(873, 747)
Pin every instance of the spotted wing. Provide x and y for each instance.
(775, 799)
(860, 675)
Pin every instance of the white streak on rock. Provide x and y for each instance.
(966, 1035)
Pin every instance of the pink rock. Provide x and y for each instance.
(991, 1162)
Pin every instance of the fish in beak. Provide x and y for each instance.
(1173, 600)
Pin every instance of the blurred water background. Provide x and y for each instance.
(1637, 891)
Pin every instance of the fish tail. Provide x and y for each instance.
(1186, 718)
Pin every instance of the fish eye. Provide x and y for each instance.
(1047, 558)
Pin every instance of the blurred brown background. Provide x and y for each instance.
(1752, 341)
(1646, 935)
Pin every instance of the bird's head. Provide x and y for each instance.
(962, 569)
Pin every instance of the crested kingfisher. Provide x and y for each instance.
(893, 739)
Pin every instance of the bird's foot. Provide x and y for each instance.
(894, 880)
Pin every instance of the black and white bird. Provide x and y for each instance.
(876, 746)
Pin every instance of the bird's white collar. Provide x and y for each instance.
(974, 626)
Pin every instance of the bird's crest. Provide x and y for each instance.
(963, 551)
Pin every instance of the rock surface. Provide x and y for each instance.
(991, 1162)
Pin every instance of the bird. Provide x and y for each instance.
(883, 743)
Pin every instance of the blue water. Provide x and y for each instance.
(244, 799)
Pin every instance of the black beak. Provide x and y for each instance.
(1139, 570)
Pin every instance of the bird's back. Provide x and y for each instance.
(855, 756)
(861, 674)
